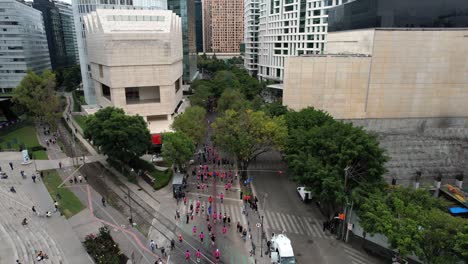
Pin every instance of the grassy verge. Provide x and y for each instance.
(161, 178)
(22, 136)
(80, 120)
(69, 204)
(78, 100)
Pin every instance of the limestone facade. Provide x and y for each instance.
(383, 73)
(136, 62)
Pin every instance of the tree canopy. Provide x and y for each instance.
(246, 134)
(177, 148)
(415, 223)
(192, 123)
(232, 99)
(119, 136)
(36, 96)
(69, 77)
(319, 149)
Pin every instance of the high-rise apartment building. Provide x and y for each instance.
(186, 10)
(199, 24)
(83, 7)
(23, 43)
(145, 79)
(224, 25)
(285, 28)
(206, 25)
(69, 32)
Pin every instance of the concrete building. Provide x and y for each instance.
(82, 8)
(136, 62)
(384, 73)
(23, 43)
(199, 25)
(223, 25)
(285, 28)
(69, 32)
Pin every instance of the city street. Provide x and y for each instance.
(302, 223)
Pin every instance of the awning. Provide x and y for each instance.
(156, 139)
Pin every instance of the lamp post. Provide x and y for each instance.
(261, 242)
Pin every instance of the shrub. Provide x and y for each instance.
(103, 249)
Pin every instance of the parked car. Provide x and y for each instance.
(304, 194)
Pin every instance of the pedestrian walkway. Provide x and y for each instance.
(307, 226)
(357, 256)
(232, 210)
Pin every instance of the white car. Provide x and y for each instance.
(304, 194)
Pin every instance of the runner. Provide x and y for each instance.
(187, 255)
(180, 238)
(202, 236)
(198, 255)
(194, 230)
(217, 255)
(224, 230)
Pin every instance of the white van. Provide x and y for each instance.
(305, 195)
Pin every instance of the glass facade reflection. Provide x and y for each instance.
(398, 13)
(186, 10)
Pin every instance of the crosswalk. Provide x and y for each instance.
(356, 256)
(294, 224)
(233, 210)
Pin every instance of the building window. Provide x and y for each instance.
(106, 91)
(142, 95)
(177, 85)
(101, 74)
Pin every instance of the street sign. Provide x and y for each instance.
(258, 225)
(350, 226)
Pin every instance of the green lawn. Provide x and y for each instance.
(21, 134)
(69, 204)
(78, 100)
(162, 178)
(80, 120)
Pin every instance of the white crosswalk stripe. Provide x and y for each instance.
(295, 224)
(356, 256)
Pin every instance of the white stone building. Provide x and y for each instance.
(277, 29)
(84, 7)
(136, 62)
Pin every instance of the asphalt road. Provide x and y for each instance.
(302, 223)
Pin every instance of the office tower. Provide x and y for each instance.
(186, 10)
(83, 7)
(23, 43)
(206, 25)
(69, 32)
(199, 25)
(285, 28)
(136, 62)
(224, 23)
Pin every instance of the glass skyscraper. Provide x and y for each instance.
(23, 43)
(186, 10)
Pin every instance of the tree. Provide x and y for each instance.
(319, 149)
(202, 92)
(232, 99)
(35, 95)
(274, 109)
(177, 148)
(414, 223)
(119, 136)
(223, 80)
(246, 134)
(192, 123)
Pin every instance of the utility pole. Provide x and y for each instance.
(345, 206)
(130, 206)
(261, 242)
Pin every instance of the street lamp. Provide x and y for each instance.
(261, 243)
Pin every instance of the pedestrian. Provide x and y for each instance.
(75, 180)
(215, 215)
(191, 207)
(80, 178)
(224, 219)
(180, 238)
(194, 230)
(220, 215)
(48, 214)
(217, 255)
(11, 165)
(153, 245)
(209, 228)
(34, 210)
(238, 226)
(210, 199)
(185, 200)
(224, 230)
(172, 244)
(187, 221)
(213, 239)
(55, 206)
(202, 236)
(198, 255)
(207, 217)
(60, 164)
(187, 255)
(244, 234)
(177, 216)
(159, 261)
(33, 178)
(86, 178)
(229, 220)
(103, 201)
(209, 210)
